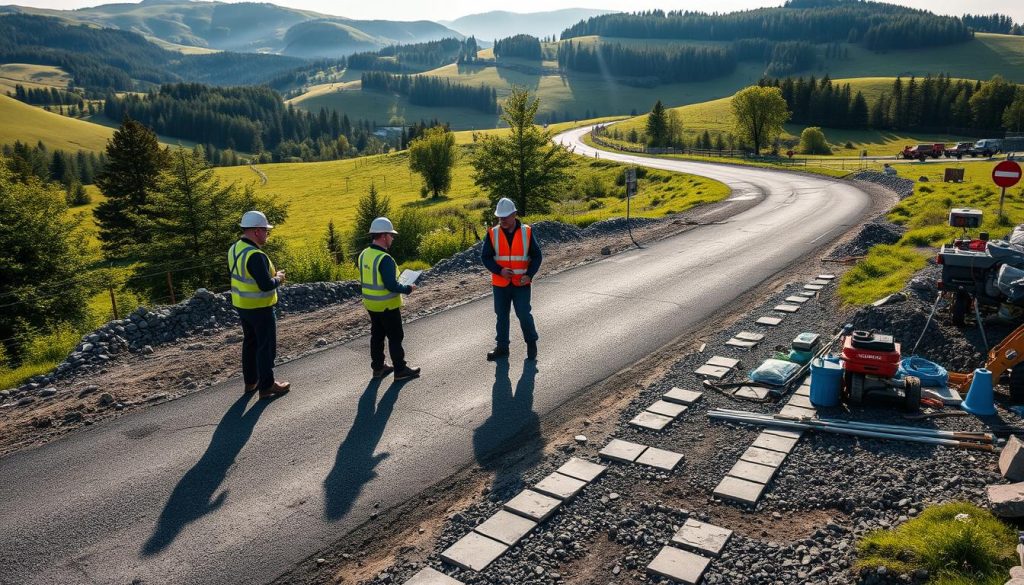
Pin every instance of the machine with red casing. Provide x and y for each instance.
(870, 362)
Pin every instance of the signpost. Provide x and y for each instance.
(1006, 174)
(630, 192)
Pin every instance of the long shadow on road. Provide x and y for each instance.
(354, 465)
(512, 427)
(193, 497)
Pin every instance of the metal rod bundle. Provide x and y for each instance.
(977, 441)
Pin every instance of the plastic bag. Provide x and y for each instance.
(1011, 283)
(775, 372)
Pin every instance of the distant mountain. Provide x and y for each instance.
(248, 26)
(499, 24)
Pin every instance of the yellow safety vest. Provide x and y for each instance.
(376, 297)
(245, 293)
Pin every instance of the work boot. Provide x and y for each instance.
(531, 350)
(250, 388)
(278, 389)
(496, 353)
(407, 373)
(382, 372)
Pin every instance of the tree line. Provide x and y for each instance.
(522, 46)
(667, 65)
(71, 170)
(416, 56)
(434, 91)
(876, 25)
(993, 23)
(45, 96)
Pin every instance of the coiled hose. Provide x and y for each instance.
(930, 373)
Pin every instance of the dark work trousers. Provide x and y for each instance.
(506, 297)
(386, 324)
(259, 345)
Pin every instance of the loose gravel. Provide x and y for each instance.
(902, 187)
(878, 231)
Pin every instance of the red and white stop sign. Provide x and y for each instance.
(1006, 174)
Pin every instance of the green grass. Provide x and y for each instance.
(31, 124)
(31, 76)
(886, 269)
(976, 549)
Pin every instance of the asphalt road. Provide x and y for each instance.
(214, 488)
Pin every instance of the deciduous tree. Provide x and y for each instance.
(433, 156)
(759, 113)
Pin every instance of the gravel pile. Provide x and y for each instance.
(902, 187)
(876, 232)
(616, 224)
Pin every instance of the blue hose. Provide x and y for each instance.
(930, 373)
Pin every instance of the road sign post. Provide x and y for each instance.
(1005, 174)
(630, 192)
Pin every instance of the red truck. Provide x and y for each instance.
(922, 151)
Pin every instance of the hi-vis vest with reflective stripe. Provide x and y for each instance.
(515, 257)
(245, 293)
(376, 297)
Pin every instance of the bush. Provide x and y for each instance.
(50, 347)
(440, 244)
(812, 141)
(411, 226)
(310, 264)
(591, 186)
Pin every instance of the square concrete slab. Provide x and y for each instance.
(716, 372)
(430, 576)
(561, 486)
(734, 342)
(739, 490)
(624, 451)
(763, 456)
(769, 321)
(803, 391)
(749, 336)
(797, 299)
(582, 469)
(660, 458)
(724, 362)
(752, 392)
(679, 565)
(533, 505)
(702, 537)
(801, 400)
(814, 287)
(792, 434)
(774, 443)
(796, 412)
(826, 277)
(680, 396)
(666, 408)
(649, 420)
(787, 308)
(820, 281)
(506, 527)
(807, 293)
(754, 472)
(473, 551)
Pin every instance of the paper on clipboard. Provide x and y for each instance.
(409, 277)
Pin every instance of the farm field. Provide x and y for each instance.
(31, 77)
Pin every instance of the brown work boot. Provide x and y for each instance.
(250, 388)
(278, 389)
(382, 372)
(407, 373)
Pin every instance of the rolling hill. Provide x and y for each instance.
(499, 24)
(31, 124)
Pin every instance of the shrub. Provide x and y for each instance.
(50, 347)
(812, 141)
(590, 186)
(411, 226)
(439, 244)
(310, 264)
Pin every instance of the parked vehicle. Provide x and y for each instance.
(986, 147)
(959, 149)
(922, 151)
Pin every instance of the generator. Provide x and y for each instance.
(870, 361)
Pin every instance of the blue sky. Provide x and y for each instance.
(451, 9)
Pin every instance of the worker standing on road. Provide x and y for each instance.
(382, 297)
(254, 294)
(513, 257)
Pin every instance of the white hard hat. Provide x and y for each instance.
(254, 219)
(382, 225)
(505, 208)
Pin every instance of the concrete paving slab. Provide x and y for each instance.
(724, 362)
(660, 458)
(473, 551)
(680, 396)
(792, 434)
(734, 342)
(774, 443)
(739, 490)
(749, 336)
(797, 412)
(754, 472)
(582, 469)
(826, 277)
(533, 505)
(716, 372)
(787, 308)
(820, 282)
(802, 400)
(666, 408)
(506, 527)
(561, 486)
(803, 391)
(797, 299)
(807, 293)
(649, 420)
(814, 287)
(679, 565)
(763, 456)
(624, 451)
(701, 537)
(430, 576)
(752, 392)
(769, 321)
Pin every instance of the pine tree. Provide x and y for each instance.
(332, 241)
(657, 125)
(134, 163)
(370, 207)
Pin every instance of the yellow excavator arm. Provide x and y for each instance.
(1004, 356)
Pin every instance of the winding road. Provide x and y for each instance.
(215, 488)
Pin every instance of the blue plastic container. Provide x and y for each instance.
(826, 381)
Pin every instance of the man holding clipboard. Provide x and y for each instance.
(382, 297)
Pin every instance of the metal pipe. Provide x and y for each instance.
(858, 432)
(885, 428)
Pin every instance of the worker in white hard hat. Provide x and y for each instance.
(382, 297)
(254, 294)
(513, 257)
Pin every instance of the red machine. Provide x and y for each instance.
(870, 362)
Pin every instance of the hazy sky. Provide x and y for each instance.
(452, 9)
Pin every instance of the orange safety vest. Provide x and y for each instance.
(515, 257)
